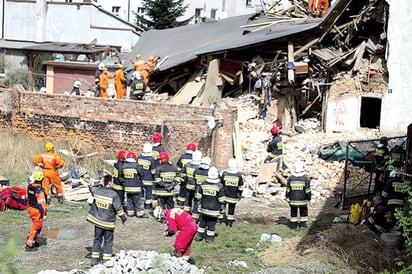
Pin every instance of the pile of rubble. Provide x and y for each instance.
(137, 261)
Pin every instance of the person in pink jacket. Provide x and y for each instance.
(181, 222)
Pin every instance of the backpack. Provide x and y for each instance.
(13, 197)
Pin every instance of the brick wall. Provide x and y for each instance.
(111, 125)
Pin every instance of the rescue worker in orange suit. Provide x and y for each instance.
(381, 219)
(200, 175)
(104, 208)
(152, 63)
(165, 180)
(233, 186)
(97, 79)
(380, 155)
(146, 161)
(104, 82)
(299, 194)
(51, 163)
(133, 185)
(211, 196)
(315, 7)
(37, 211)
(120, 82)
(181, 222)
(188, 175)
(184, 159)
(157, 147)
(118, 181)
(141, 66)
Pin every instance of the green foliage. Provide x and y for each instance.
(163, 14)
(17, 76)
(404, 217)
(8, 252)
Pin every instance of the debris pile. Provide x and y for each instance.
(137, 261)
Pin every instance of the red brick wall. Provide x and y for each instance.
(110, 124)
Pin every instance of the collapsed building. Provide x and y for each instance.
(333, 68)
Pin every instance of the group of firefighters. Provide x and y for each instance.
(139, 84)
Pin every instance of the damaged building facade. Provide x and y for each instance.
(339, 68)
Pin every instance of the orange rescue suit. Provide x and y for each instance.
(37, 211)
(315, 6)
(104, 83)
(119, 81)
(50, 162)
(142, 68)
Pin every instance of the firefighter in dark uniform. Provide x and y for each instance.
(380, 154)
(165, 180)
(146, 161)
(106, 205)
(184, 159)
(157, 147)
(299, 194)
(233, 187)
(381, 219)
(200, 175)
(395, 191)
(396, 161)
(212, 198)
(133, 185)
(188, 174)
(275, 149)
(118, 182)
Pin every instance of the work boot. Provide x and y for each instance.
(198, 237)
(229, 223)
(31, 248)
(209, 239)
(303, 226)
(95, 262)
(294, 225)
(191, 261)
(40, 241)
(60, 200)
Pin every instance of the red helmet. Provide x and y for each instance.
(164, 157)
(191, 146)
(157, 137)
(131, 154)
(121, 155)
(274, 130)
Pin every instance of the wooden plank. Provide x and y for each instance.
(190, 89)
(211, 93)
(266, 172)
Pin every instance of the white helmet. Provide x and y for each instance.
(77, 84)
(232, 165)
(147, 148)
(136, 75)
(197, 156)
(213, 173)
(393, 174)
(299, 168)
(206, 161)
(101, 66)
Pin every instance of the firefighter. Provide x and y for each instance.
(233, 187)
(381, 219)
(157, 139)
(146, 161)
(152, 63)
(200, 176)
(104, 82)
(141, 66)
(76, 88)
(137, 87)
(104, 208)
(395, 161)
(380, 154)
(97, 79)
(275, 149)
(395, 191)
(37, 211)
(184, 159)
(299, 194)
(211, 197)
(181, 222)
(188, 175)
(165, 180)
(120, 82)
(50, 162)
(118, 181)
(133, 185)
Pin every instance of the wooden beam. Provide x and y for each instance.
(306, 46)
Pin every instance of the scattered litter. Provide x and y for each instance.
(267, 238)
(238, 263)
(249, 250)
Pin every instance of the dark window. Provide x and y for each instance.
(140, 10)
(248, 3)
(115, 9)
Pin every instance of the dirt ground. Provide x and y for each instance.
(75, 249)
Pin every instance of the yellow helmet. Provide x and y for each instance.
(121, 66)
(151, 58)
(138, 56)
(38, 176)
(49, 146)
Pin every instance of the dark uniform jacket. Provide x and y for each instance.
(381, 218)
(132, 174)
(298, 190)
(275, 146)
(165, 179)
(118, 182)
(105, 207)
(233, 186)
(184, 159)
(137, 88)
(188, 175)
(211, 196)
(395, 191)
(380, 154)
(157, 148)
(149, 166)
(32, 190)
